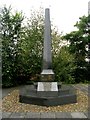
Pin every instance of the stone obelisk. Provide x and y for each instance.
(47, 73)
(47, 92)
(47, 55)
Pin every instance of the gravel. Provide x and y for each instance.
(11, 103)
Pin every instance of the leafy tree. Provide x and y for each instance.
(78, 42)
(33, 48)
(10, 28)
(64, 66)
(56, 42)
(22, 49)
(32, 40)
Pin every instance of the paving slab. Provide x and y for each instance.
(6, 91)
(32, 115)
(17, 115)
(0, 93)
(86, 114)
(50, 115)
(47, 115)
(83, 88)
(0, 115)
(63, 115)
(78, 115)
(6, 114)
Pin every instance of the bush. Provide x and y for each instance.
(64, 66)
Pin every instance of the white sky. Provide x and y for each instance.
(63, 13)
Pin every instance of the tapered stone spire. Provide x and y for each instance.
(47, 55)
(47, 73)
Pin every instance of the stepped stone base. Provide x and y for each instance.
(47, 75)
(55, 94)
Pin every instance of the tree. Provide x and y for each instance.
(78, 42)
(32, 45)
(10, 28)
(22, 48)
(64, 66)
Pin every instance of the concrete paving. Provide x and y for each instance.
(44, 115)
(85, 88)
(17, 115)
(47, 115)
(6, 91)
(87, 114)
(32, 115)
(78, 115)
(63, 115)
(6, 114)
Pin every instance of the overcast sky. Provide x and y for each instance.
(63, 13)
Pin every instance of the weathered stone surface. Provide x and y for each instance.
(48, 115)
(63, 115)
(86, 114)
(47, 86)
(17, 115)
(6, 114)
(32, 115)
(47, 89)
(78, 115)
(47, 74)
(47, 98)
(47, 56)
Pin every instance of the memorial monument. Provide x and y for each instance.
(47, 92)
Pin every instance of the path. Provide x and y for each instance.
(45, 115)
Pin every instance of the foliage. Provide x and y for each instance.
(10, 34)
(78, 42)
(64, 66)
(31, 46)
(22, 47)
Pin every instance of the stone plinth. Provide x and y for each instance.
(47, 75)
(34, 95)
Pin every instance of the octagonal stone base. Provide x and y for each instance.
(32, 94)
